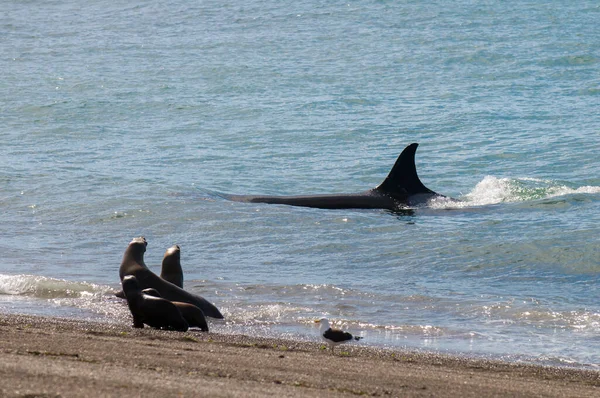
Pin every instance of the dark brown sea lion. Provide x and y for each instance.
(171, 266)
(170, 270)
(133, 264)
(152, 311)
(192, 314)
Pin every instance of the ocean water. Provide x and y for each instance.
(126, 120)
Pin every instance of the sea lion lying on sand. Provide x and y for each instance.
(152, 311)
(192, 314)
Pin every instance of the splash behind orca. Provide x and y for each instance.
(400, 190)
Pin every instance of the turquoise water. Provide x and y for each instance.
(120, 121)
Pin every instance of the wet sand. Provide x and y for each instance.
(50, 357)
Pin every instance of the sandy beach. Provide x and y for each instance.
(50, 357)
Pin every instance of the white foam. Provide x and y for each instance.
(493, 190)
(61, 298)
(44, 287)
(560, 191)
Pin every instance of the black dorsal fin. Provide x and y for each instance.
(403, 178)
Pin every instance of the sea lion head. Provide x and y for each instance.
(133, 258)
(139, 241)
(130, 285)
(173, 252)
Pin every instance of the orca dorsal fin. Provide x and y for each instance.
(403, 178)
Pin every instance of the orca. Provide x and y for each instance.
(401, 190)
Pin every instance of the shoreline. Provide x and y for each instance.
(56, 357)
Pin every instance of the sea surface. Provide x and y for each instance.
(121, 119)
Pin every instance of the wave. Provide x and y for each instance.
(493, 190)
(47, 288)
(299, 305)
(58, 297)
(290, 311)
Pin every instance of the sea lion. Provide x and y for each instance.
(136, 257)
(171, 266)
(152, 311)
(133, 264)
(192, 314)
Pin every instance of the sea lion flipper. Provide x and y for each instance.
(137, 322)
(193, 315)
(151, 292)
